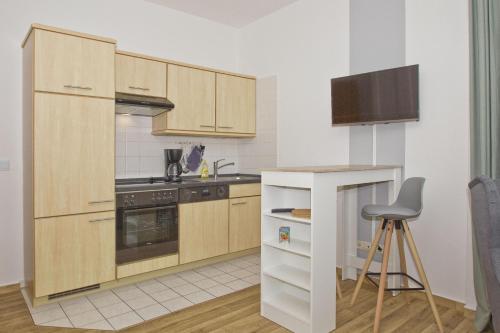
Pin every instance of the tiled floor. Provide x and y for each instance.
(129, 305)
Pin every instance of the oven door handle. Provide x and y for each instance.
(149, 209)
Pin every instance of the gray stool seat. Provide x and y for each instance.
(389, 212)
(408, 204)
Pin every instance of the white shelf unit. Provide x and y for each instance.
(296, 246)
(289, 217)
(298, 279)
(286, 266)
(295, 276)
(295, 291)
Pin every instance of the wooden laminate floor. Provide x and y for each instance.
(239, 312)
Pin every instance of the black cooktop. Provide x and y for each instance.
(142, 181)
(160, 183)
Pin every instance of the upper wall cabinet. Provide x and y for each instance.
(193, 93)
(140, 76)
(235, 104)
(73, 65)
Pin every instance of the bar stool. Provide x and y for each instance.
(407, 205)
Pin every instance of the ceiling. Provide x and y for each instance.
(236, 13)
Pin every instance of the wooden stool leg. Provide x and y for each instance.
(371, 254)
(339, 291)
(402, 258)
(383, 277)
(421, 273)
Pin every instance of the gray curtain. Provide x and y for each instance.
(485, 117)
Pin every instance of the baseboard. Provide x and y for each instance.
(6, 289)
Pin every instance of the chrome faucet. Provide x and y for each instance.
(217, 167)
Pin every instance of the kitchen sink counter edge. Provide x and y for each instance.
(192, 181)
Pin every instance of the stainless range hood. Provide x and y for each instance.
(141, 105)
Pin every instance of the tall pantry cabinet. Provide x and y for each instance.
(68, 126)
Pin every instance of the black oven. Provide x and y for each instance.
(146, 225)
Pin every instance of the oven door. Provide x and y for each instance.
(143, 233)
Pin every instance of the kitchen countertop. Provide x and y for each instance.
(192, 181)
(332, 168)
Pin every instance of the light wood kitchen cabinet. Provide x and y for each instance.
(193, 93)
(140, 76)
(74, 252)
(68, 161)
(244, 223)
(235, 108)
(73, 65)
(203, 230)
(73, 154)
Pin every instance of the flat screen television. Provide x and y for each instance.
(384, 96)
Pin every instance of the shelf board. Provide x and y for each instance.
(291, 305)
(289, 217)
(295, 246)
(291, 275)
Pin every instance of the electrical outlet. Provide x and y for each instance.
(365, 246)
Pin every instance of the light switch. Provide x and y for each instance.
(4, 165)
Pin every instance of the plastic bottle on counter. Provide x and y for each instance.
(204, 169)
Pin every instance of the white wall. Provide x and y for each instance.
(137, 25)
(261, 151)
(437, 147)
(304, 44)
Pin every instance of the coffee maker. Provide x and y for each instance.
(173, 167)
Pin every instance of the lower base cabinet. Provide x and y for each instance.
(73, 252)
(244, 223)
(203, 230)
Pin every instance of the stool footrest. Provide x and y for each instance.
(421, 286)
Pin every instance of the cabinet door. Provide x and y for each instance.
(74, 159)
(244, 223)
(74, 65)
(235, 104)
(141, 76)
(193, 93)
(73, 252)
(203, 230)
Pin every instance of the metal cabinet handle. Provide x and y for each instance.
(138, 88)
(239, 203)
(77, 87)
(209, 126)
(103, 219)
(225, 126)
(100, 201)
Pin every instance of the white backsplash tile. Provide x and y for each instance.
(140, 154)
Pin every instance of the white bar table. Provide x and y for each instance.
(298, 277)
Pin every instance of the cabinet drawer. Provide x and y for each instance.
(244, 190)
(141, 76)
(244, 223)
(73, 252)
(74, 160)
(74, 65)
(145, 266)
